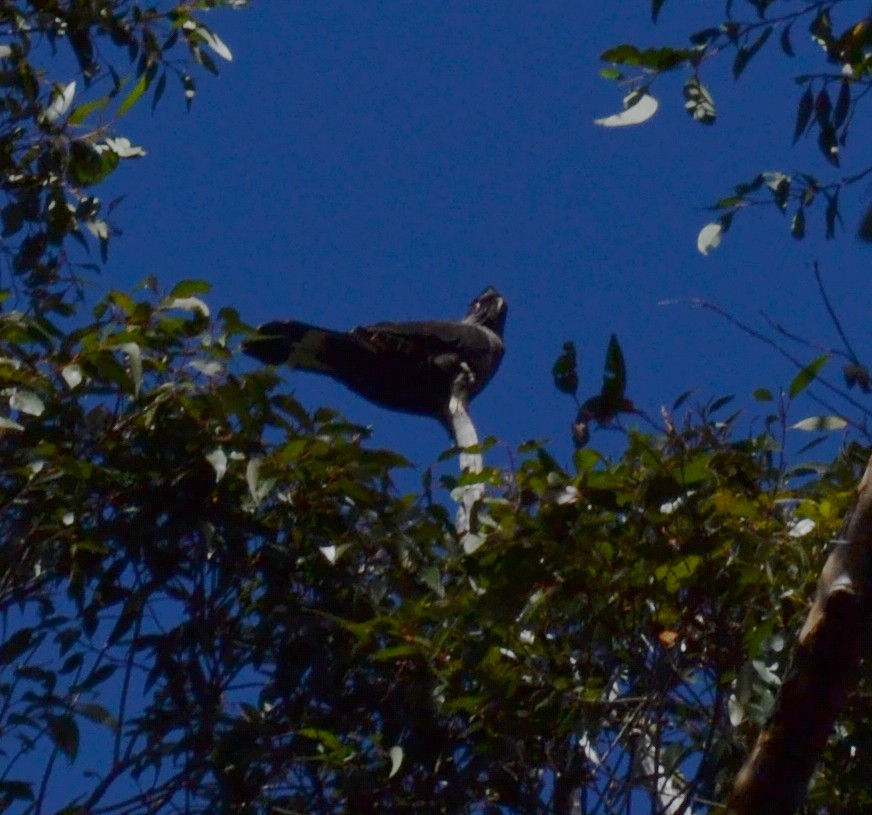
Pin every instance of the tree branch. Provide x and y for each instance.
(822, 673)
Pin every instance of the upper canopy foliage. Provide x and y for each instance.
(833, 85)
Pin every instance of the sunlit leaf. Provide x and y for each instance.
(215, 43)
(218, 459)
(187, 304)
(639, 108)
(72, 375)
(396, 754)
(813, 423)
(134, 358)
(709, 237)
(61, 101)
(27, 402)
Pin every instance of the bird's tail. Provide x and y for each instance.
(299, 344)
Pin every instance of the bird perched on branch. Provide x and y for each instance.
(415, 367)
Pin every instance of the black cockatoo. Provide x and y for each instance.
(414, 367)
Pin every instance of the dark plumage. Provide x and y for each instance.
(410, 367)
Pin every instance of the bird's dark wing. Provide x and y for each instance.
(445, 347)
(415, 367)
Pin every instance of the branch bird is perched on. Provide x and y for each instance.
(416, 367)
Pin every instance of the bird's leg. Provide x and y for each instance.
(465, 436)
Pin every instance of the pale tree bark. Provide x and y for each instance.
(465, 437)
(823, 671)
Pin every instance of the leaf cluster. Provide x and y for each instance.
(58, 136)
(232, 592)
(827, 105)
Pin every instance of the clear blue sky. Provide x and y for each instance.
(384, 160)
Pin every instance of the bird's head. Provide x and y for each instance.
(489, 309)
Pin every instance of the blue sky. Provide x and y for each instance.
(384, 160)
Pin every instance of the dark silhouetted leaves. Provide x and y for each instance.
(64, 733)
(857, 374)
(829, 145)
(831, 214)
(565, 370)
(747, 53)
(797, 225)
(786, 45)
(843, 104)
(864, 231)
(803, 113)
(656, 5)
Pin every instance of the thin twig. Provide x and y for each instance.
(833, 316)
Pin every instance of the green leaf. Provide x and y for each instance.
(188, 288)
(663, 59)
(622, 55)
(133, 97)
(82, 112)
(675, 574)
(89, 166)
(762, 395)
(807, 375)
(611, 73)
